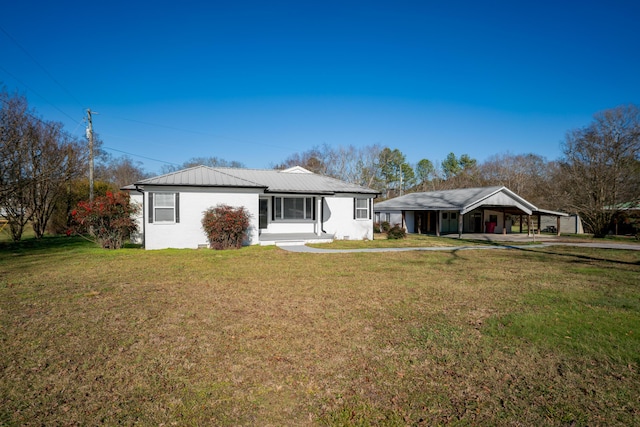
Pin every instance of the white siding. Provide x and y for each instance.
(409, 220)
(395, 217)
(500, 220)
(571, 224)
(136, 199)
(338, 219)
(188, 233)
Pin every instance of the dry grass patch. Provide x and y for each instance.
(265, 337)
(411, 241)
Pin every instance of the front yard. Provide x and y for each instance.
(260, 336)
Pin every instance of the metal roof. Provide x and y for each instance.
(294, 180)
(463, 200)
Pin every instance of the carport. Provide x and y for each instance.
(469, 210)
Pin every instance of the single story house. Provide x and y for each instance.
(292, 205)
(467, 210)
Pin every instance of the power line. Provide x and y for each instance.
(244, 141)
(42, 121)
(45, 99)
(138, 155)
(41, 66)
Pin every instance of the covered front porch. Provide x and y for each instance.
(485, 220)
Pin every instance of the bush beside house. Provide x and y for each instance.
(108, 218)
(226, 227)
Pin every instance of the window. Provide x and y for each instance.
(294, 208)
(164, 207)
(361, 209)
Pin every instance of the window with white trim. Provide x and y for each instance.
(361, 209)
(164, 208)
(293, 208)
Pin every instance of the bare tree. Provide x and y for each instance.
(50, 164)
(314, 160)
(121, 171)
(37, 157)
(16, 128)
(357, 165)
(368, 167)
(529, 175)
(600, 166)
(214, 162)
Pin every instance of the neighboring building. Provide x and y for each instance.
(571, 224)
(626, 220)
(468, 210)
(292, 205)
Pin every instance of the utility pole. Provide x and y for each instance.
(90, 138)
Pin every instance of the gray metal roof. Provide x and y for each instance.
(463, 200)
(295, 180)
(200, 176)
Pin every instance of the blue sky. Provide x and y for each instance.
(258, 81)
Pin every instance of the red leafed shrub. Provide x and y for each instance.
(109, 219)
(226, 227)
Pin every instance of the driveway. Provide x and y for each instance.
(509, 241)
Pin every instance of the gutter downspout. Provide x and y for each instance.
(319, 218)
(144, 232)
(322, 215)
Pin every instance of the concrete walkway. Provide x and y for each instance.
(502, 243)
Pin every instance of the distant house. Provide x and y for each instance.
(626, 219)
(468, 210)
(292, 205)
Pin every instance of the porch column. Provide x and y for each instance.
(539, 224)
(319, 216)
(438, 223)
(404, 223)
(528, 225)
(504, 222)
(460, 224)
(557, 226)
(520, 223)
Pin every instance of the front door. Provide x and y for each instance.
(263, 213)
(449, 222)
(477, 222)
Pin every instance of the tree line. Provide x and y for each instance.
(597, 176)
(43, 169)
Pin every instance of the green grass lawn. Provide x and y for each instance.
(380, 241)
(260, 336)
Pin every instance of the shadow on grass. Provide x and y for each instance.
(455, 256)
(549, 251)
(52, 243)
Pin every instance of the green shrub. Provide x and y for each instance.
(225, 226)
(385, 226)
(376, 227)
(396, 232)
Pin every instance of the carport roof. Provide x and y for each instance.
(462, 200)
